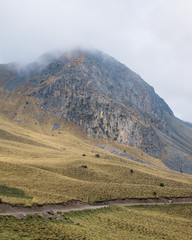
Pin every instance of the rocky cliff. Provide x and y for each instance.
(105, 98)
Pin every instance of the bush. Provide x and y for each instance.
(83, 154)
(97, 155)
(161, 185)
(131, 171)
(154, 193)
(84, 166)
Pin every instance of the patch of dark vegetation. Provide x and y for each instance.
(84, 166)
(161, 185)
(13, 192)
(83, 154)
(97, 155)
(131, 171)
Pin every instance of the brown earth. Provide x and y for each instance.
(50, 209)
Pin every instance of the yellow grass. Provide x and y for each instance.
(46, 163)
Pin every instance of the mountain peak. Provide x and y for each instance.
(102, 96)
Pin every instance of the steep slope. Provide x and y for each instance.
(53, 161)
(107, 100)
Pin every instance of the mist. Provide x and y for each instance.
(153, 38)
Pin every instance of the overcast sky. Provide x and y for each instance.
(152, 37)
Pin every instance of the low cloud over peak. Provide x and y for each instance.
(153, 38)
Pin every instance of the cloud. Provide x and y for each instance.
(153, 38)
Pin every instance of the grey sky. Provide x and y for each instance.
(152, 37)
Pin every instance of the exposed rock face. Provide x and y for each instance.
(100, 95)
(104, 97)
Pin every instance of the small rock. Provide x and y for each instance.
(50, 212)
(76, 223)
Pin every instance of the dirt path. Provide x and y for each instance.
(48, 210)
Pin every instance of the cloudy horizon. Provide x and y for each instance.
(153, 38)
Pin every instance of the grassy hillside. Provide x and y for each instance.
(43, 156)
(170, 222)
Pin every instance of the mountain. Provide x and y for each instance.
(106, 99)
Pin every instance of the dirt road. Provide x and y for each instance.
(50, 209)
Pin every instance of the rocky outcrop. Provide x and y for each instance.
(105, 98)
(77, 89)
